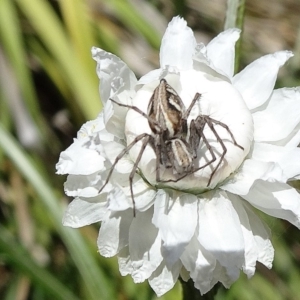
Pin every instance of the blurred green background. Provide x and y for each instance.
(49, 88)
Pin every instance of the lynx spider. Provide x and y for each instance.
(167, 118)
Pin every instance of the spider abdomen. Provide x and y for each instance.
(179, 154)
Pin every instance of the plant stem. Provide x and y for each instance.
(235, 19)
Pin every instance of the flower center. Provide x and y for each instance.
(213, 135)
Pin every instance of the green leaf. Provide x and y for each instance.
(19, 257)
(78, 76)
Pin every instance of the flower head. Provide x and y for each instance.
(201, 226)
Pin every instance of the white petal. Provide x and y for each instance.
(144, 246)
(280, 117)
(169, 213)
(221, 51)
(250, 171)
(201, 264)
(114, 74)
(225, 276)
(120, 198)
(82, 185)
(113, 234)
(125, 264)
(178, 45)
(293, 140)
(90, 128)
(258, 246)
(112, 150)
(261, 234)
(80, 213)
(117, 200)
(163, 279)
(276, 199)
(114, 114)
(79, 160)
(220, 232)
(151, 76)
(257, 80)
(144, 196)
(286, 157)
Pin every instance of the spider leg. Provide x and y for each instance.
(135, 166)
(140, 112)
(212, 128)
(187, 113)
(162, 156)
(196, 133)
(228, 130)
(124, 151)
(159, 159)
(200, 127)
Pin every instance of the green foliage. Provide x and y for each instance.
(49, 88)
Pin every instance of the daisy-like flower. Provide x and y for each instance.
(201, 227)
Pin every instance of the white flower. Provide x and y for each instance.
(207, 233)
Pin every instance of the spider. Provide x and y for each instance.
(167, 119)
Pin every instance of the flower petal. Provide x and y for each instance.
(276, 199)
(258, 246)
(250, 171)
(201, 264)
(225, 276)
(80, 212)
(82, 185)
(112, 150)
(220, 232)
(293, 140)
(85, 155)
(286, 157)
(257, 80)
(114, 74)
(178, 45)
(221, 51)
(120, 198)
(144, 246)
(261, 234)
(113, 234)
(78, 160)
(114, 118)
(125, 264)
(169, 211)
(272, 123)
(163, 279)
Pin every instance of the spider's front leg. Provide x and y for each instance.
(186, 115)
(150, 120)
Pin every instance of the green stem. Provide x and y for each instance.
(189, 292)
(235, 19)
